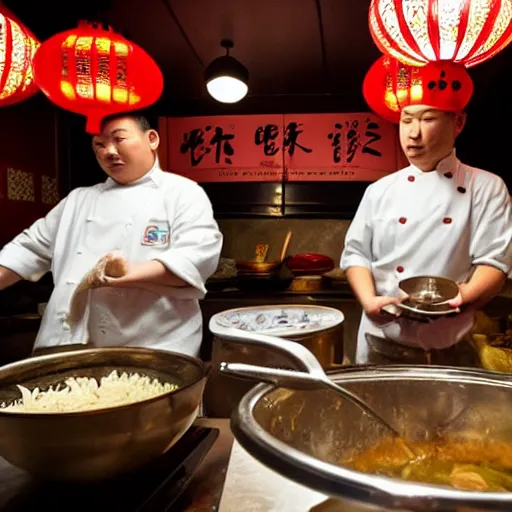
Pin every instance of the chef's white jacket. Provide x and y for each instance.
(440, 223)
(161, 216)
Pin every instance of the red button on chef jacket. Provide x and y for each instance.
(447, 220)
(400, 269)
(402, 220)
(411, 178)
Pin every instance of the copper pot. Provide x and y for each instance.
(95, 445)
(257, 267)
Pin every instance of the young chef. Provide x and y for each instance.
(161, 223)
(437, 217)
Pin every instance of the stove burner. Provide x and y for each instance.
(152, 489)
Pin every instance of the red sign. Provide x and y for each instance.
(339, 147)
(226, 148)
(303, 147)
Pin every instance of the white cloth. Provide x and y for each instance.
(161, 216)
(440, 223)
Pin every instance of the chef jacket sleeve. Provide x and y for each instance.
(491, 229)
(195, 244)
(358, 241)
(30, 254)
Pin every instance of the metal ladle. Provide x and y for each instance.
(312, 378)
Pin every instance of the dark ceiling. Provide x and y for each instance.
(298, 49)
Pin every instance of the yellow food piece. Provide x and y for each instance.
(475, 465)
(491, 345)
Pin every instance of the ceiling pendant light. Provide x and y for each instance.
(227, 78)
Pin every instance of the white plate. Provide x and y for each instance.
(286, 320)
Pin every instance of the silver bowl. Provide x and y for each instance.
(303, 434)
(428, 291)
(98, 444)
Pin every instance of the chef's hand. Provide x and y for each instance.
(110, 267)
(458, 301)
(107, 270)
(373, 308)
(117, 266)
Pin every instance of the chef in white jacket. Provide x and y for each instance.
(160, 222)
(436, 217)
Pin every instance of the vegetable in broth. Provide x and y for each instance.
(472, 465)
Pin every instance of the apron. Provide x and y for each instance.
(438, 334)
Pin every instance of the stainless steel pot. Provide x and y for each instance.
(98, 444)
(223, 392)
(303, 434)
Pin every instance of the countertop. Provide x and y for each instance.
(341, 289)
(204, 492)
(201, 495)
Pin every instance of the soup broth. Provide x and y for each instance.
(471, 465)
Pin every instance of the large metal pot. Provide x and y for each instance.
(223, 393)
(303, 434)
(98, 444)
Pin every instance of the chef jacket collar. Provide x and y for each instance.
(447, 164)
(154, 176)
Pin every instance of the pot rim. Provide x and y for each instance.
(353, 485)
(217, 329)
(203, 372)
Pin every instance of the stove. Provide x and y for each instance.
(152, 489)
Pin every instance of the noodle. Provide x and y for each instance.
(85, 394)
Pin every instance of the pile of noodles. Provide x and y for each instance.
(85, 394)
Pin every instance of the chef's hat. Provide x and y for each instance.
(389, 86)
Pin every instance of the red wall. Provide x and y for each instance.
(27, 144)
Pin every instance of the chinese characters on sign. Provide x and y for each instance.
(352, 139)
(227, 148)
(357, 147)
(194, 144)
(307, 147)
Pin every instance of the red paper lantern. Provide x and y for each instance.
(419, 31)
(391, 85)
(96, 73)
(17, 49)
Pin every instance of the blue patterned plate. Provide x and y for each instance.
(286, 320)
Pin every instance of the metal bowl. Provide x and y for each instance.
(427, 291)
(98, 444)
(303, 434)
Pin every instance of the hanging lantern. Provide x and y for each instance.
(391, 85)
(96, 73)
(419, 31)
(17, 49)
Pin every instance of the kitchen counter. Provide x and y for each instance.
(201, 495)
(342, 289)
(204, 492)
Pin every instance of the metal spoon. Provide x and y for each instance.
(313, 377)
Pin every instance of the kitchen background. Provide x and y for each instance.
(303, 56)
